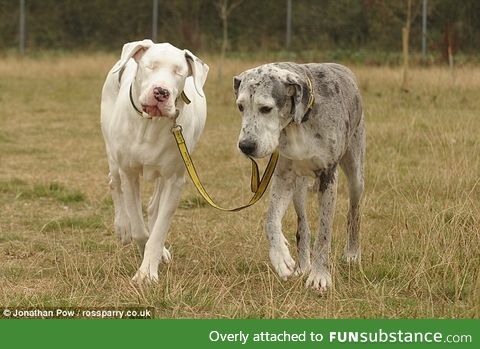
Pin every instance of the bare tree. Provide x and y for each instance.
(405, 42)
(424, 30)
(154, 20)
(22, 28)
(288, 38)
(224, 10)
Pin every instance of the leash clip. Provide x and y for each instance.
(176, 128)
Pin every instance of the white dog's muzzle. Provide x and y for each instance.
(183, 97)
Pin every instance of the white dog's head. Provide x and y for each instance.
(269, 98)
(161, 73)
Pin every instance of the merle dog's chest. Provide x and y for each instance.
(309, 150)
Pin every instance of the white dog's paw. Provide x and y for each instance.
(166, 255)
(141, 239)
(123, 230)
(319, 279)
(282, 262)
(142, 277)
(351, 256)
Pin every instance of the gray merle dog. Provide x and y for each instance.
(313, 114)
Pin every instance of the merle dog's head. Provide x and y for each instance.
(269, 98)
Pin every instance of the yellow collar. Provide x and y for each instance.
(311, 97)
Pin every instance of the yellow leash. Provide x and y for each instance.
(258, 187)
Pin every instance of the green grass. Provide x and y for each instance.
(420, 213)
(22, 190)
(192, 202)
(74, 223)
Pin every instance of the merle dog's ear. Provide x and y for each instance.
(297, 90)
(237, 80)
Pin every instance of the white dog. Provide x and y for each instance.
(150, 86)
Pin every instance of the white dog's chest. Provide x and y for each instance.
(150, 153)
(150, 149)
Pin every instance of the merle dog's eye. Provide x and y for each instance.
(265, 110)
(240, 107)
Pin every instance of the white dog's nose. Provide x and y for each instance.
(160, 94)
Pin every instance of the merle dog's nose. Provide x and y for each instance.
(160, 94)
(247, 147)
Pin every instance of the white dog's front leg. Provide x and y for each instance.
(280, 197)
(121, 221)
(155, 249)
(133, 205)
(153, 206)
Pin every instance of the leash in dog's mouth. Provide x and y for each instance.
(145, 115)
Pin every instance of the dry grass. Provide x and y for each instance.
(421, 214)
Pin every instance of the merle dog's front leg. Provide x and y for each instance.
(283, 184)
(320, 277)
(303, 229)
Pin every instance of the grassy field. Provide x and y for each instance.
(421, 212)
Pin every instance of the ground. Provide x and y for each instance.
(420, 220)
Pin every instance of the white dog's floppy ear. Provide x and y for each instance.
(135, 50)
(300, 94)
(198, 70)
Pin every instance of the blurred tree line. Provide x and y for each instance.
(253, 25)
